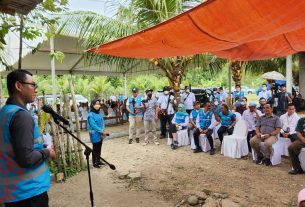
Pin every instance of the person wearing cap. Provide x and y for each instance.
(135, 108)
(205, 123)
(283, 98)
(193, 115)
(251, 116)
(268, 128)
(165, 109)
(188, 99)
(150, 116)
(180, 121)
(301, 198)
(289, 121)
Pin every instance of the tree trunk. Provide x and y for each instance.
(66, 115)
(236, 68)
(302, 73)
(80, 149)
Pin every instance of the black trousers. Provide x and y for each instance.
(163, 121)
(222, 130)
(208, 134)
(249, 136)
(41, 200)
(97, 149)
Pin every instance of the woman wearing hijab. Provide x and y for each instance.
(97, 132)
(180, 121)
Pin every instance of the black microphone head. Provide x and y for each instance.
(112, 167)
(47, 108)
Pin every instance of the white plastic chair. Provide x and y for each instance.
(182, 138)
(302, 158)
(236, 145)
(238, 116)
(276, 155)
(203, 142)
(284, 144)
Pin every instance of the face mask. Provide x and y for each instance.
(149, 95)
(166, 92)
(216, 103)
(187, 90)
(243, 103)
(264, 88)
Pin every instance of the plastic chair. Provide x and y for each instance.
(236, 145)
(238, 116)
(284, 143)
(182, 138)
(276, 155)
(302, 158)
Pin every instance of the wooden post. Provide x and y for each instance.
(80, 149)
(66, 115)
(1, 91)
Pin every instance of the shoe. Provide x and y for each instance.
(96, 166)
(176, 143)
(138, 140)
(197, 150)
(267, 162)
(130, 141)
(172, 146)
(260, 160)
(101, 164)
(212, 151)
(145, 143)
(156, 143)
(296, 171)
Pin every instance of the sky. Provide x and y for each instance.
(104, 7)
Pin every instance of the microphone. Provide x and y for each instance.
(48, 109)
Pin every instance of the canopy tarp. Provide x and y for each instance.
(232, 29)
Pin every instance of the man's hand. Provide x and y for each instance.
(52, 152)
(258, 135)
(104, 133)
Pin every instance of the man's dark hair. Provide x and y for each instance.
(237, 85)
(262, 98)
(245, 98)
(264, 84)
(13, 77)
(220, 88)
(225, 106)
(290, 104)
(268, 104)
(205, 103)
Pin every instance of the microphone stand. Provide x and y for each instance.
(87, 153)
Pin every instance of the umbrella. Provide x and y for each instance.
(273, 75)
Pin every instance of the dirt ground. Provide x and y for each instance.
(170, 176)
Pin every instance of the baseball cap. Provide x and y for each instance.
(135, 90)
(149, 90)
(252, 104)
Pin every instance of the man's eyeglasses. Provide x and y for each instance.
(35, 85)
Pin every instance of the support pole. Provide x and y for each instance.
(289, 73)
(53, 71)
(125, 84)
(1, 91)
(20, 42)
(230, 83)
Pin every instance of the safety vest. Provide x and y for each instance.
(205, 119)
(135, 102)
(99, 121)
(180, 118)
(17, 183)
(226, 119)
(195, 114)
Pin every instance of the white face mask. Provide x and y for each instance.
(187, 90)
(166, 92)
(264, 88)
(216, 103)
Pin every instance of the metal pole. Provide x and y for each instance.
(125, 84)
(230, 83)
(20, 42)
(289, 73)
(53, 71)
(1, 96)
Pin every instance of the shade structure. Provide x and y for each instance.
(273, 75)
(232, 29)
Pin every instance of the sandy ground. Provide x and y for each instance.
(171, 176)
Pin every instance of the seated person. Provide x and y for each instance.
(193, 116)
(251, 116)
(228, 120)
(205, 123)
(180, 121)
(262, 102)
(241, 106)
(295, 148)
(267, 128)
(289, 121)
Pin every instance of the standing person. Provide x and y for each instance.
(165, 109)
(222, 96)
(238, 94)
(251, 116)
(180, 121)
(228, 121)
(242, 105)
(25, 176)
(188, 99)
(205, 124)
(135, 107)
(267, 128)
(283, 98)
(265, 93)
(150, 116)
(97, 133)
(289, 122)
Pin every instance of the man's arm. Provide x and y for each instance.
(22, 139)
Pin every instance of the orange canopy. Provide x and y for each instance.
(232, 29)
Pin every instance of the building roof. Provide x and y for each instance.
(18, 6)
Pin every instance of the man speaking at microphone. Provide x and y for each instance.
(24, 175)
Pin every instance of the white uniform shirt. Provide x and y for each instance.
(265, 94)
(188, 100)
(251, 119)
(162, 103)
(289, 122)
